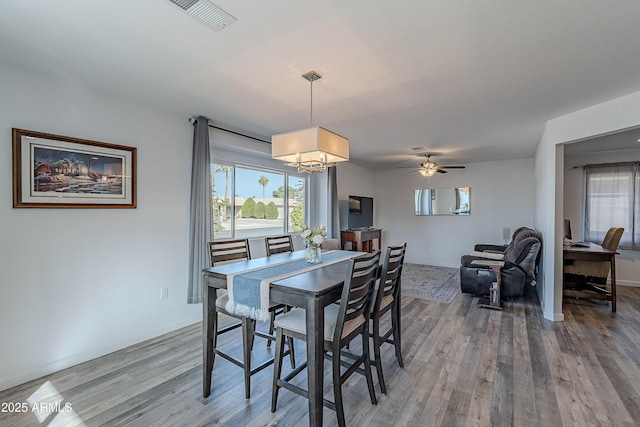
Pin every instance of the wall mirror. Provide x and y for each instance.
(443, 201)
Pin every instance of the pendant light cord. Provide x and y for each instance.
(311, 106)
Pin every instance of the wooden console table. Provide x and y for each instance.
(361, 240)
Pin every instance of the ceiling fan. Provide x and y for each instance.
(429, 168)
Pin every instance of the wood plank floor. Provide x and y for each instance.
(464, 366)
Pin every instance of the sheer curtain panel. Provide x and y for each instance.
(611, 200)
(200, 217)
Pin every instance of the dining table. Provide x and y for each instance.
(312, 290)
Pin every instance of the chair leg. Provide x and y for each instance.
(215, 339)
(292, 355)
(248, 326)
(337, 387)
(277, 369)
(367, 366)
(271, 320)
(395, 324)
(376, 354)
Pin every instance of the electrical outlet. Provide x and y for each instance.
(164, 292)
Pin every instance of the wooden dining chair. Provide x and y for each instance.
(278, 244)
(342, 324)
(222, 251)
(387, 300)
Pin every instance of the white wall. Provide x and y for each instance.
(80, 283)
(628, 262)
(613, 116)
(502, 195)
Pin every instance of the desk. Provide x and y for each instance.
(312, 290)
(361, 240)
(592, 253)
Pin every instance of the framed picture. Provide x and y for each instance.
(53, 171)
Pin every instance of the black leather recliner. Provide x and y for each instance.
(519, 260)
(518, 235)
(497, 251)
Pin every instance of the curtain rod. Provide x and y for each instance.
(192, 120)
(607, 164)
(240, 134)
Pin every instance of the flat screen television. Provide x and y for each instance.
(360, 212)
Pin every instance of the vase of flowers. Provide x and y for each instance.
(313, 238)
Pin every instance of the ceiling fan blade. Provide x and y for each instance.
(453, 167)
(440, 170)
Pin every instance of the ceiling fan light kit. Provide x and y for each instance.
(429, 168)
(427, 172)
(312, 149)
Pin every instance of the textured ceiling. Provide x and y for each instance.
(472, 80)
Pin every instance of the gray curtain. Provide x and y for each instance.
(333, 207)
(200, 217)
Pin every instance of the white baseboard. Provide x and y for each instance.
(85, 356)
(628, 283)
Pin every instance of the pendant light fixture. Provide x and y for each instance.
(312, 149)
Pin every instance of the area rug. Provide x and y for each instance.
(429, 282)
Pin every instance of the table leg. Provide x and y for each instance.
(209, 324)
(315, 359)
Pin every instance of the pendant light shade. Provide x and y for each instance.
(312, 149)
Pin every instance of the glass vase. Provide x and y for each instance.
(313, 254)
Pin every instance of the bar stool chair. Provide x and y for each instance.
(387, 299)
(343, 323)
(236, 250)
(278, 244)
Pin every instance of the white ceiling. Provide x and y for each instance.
(472, 80)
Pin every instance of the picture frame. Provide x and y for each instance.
(54, 171)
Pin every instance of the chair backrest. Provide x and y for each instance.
(612, 238)
(229, 250)
(518, 235)
(599, 269)
(355, 302)
(390, 274)
(278, 244)
(330, 244)
(524, 253)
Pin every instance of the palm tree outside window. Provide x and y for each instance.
(252, 202)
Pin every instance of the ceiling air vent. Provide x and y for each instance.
(206, 12)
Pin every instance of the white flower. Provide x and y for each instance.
(317, 239)
(314, 236)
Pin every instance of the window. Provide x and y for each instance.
(250, 202)
(612, 194)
